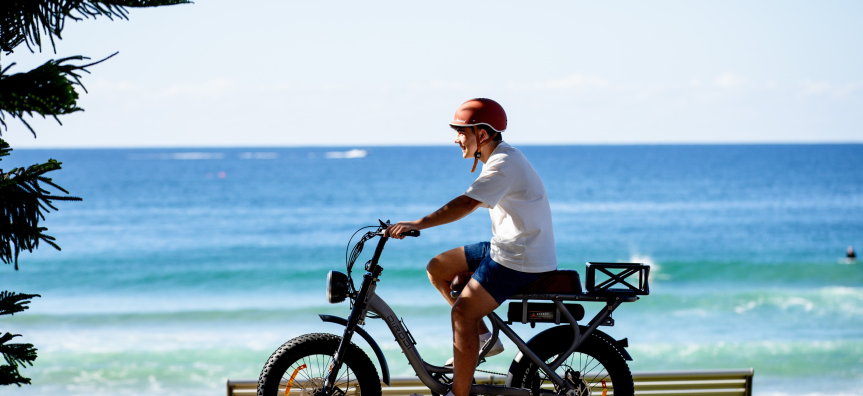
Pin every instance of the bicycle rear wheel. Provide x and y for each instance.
(300, 366)
(596, 365)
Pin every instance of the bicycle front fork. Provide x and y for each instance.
(357, 314)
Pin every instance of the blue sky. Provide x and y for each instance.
(284, 73)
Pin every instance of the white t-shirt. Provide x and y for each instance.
(520, 214)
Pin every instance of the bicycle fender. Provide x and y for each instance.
(385, 370)
(617, 344)
(621, 344)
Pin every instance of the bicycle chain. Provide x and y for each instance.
(491, 372)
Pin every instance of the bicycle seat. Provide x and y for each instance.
(552, 282)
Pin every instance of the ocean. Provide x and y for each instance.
(185, 267)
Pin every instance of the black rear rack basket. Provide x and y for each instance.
(617, 274)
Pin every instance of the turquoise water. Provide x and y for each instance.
(185, 267)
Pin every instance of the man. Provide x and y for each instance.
(521, 250)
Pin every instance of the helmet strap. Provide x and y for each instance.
(479, 145)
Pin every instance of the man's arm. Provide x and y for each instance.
(459, 207)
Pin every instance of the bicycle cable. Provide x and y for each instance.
(351, 258)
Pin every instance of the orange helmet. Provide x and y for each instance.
(476, 112)
(480, 111)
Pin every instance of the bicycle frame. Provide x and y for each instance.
(366, 300)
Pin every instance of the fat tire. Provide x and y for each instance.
(554, 341)
(317, 344)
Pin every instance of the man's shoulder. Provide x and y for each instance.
(505, 153)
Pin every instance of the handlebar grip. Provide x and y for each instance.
(412, 233)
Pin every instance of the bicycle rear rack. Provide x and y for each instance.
(613, 274)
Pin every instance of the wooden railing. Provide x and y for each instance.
(677, 383)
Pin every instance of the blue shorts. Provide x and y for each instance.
(499, 281)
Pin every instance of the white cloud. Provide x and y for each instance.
(121, 86)
(815, 87)
(277, 88)
(574, 81)
(440, 86)
(211, 89)
(848, 89)
(728, 80)
(810, 87)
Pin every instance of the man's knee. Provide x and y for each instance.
(434, 266)
(473, 304)
(463, 312)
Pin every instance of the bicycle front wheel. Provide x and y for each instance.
(300, 366)
(596, 365)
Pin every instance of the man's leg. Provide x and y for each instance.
(473, 304)
(441, 271)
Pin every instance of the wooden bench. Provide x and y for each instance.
(677, 383)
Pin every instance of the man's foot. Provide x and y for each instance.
(483, 338)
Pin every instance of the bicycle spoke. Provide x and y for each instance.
(291, 370)
(579, 361)
(594, 366)
(591, 371)
(306, 373)
(347, 381)
(594, 380)
(583, 366)
(346, 372)
(313, 376)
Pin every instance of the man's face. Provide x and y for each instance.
(465, 139)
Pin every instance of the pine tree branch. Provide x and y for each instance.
(5, 149)
(23, 203)
(12, 302)
(25, 21)
(48, 90)
(9, 375)
(17, 355)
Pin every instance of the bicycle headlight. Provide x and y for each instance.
(337, 287)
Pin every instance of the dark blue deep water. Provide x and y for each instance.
(184, 267)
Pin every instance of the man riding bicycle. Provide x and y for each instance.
(521, 250)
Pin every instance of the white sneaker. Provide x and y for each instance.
(483, 338)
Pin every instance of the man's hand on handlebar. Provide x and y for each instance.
(398, 230)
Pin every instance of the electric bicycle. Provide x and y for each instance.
(567, 359)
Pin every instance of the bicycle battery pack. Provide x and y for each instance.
(529, 312)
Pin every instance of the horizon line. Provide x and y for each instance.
(213, 147)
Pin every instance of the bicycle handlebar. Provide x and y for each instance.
(411, 233)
